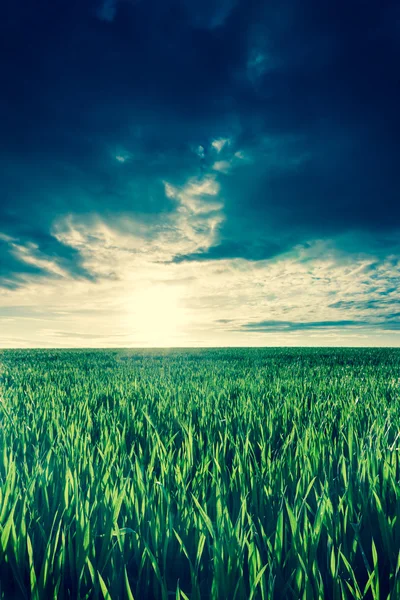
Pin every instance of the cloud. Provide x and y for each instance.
(193, 227)
(290, 111)
(288, 326)
(229, 250)
(285, 300)
(222, 166)
(219, 144)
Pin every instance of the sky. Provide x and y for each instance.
(199, 173)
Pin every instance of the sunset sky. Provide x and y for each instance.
(199, 173)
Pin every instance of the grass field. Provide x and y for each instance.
(251, 473)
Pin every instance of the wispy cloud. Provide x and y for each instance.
(314, 291)
(288, 326)
(192, 227)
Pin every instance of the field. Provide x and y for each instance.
(221, 474)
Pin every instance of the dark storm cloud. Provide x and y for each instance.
(308, 90)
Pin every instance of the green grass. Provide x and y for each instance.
(260, 474)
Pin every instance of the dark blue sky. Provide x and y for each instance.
(290, 107)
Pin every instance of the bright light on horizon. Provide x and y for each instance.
(156, 314)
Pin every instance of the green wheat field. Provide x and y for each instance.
(202, 474)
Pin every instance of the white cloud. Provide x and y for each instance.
(107, 248)
(222, 166)
(149, 302)
(31, 255)
(220, 143)
(5, 238)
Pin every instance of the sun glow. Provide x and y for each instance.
(156, 315)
